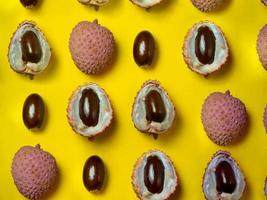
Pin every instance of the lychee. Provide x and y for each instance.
(262, 46)
(34, 172)
(92, 47)
(265, 118)
(224, 118)
(207, 5)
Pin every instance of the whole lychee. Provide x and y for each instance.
(265, 118)
(34, 172)
(262, 46)
(264, 2)
(224, 118)
(92, 47)
(207, 5)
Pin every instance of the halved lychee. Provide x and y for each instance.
(205, 48)
(223, 179)
(154, 176)
(153, 111)
(29, 52)
(89, 110)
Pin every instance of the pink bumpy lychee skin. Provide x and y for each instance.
(264, 2)
(207, 5)
(224, 118)
(92, 47)
(34, 172)
(265, 118)
(262, 46)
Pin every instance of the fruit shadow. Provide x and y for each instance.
(109, 132)
(111, 6)
(169, 135)
(39, 4)
(56, 186)
(224, 71)
(51, 69)
(177, 193)
(247, 192)
(163, 6)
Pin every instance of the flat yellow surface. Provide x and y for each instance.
(186, 143)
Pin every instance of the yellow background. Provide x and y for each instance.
(186, 143)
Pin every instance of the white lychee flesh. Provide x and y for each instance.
(15, 52)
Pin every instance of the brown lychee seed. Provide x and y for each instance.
(89, 110)
(29, 52)
(154, 176)
(153, 111)
(223, 178)
(205, 48)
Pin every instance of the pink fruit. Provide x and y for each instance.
(34, 172)
(224, 118)
(262, 46)
(92, 47)
(207, 5)
(265, 118)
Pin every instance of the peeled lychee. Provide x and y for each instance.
(224, 118)
(262, 46)
(265, 118)
(207, 5)
(34, 172)
(92, 47)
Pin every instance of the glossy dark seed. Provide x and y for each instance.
(29, 3)
(155, 108)
(33, 111)
(154, 174)
(93, 173)
(31, 48)
(144, 47)
(225, 178)
(205, 45)
(89, 107)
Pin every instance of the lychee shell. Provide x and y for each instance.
(224, 118)
(34, 172)
(92, 47)
(207, 5)
(265, 118)
(262, 46)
